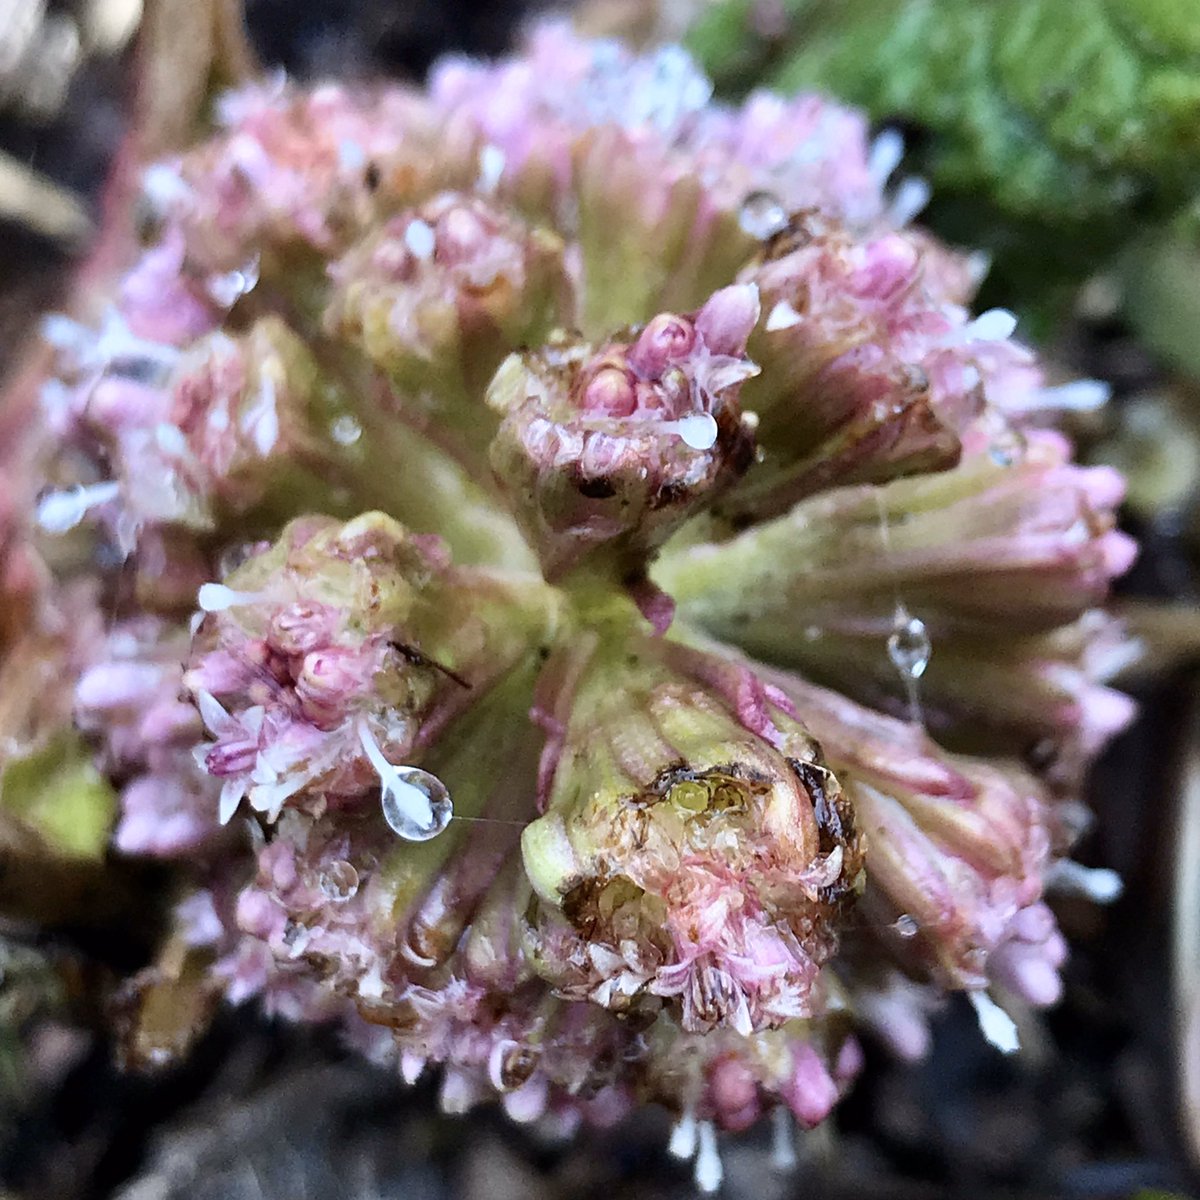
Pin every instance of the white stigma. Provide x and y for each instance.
(491, 167)
(1081, 395)
(216, 597)
(995, 325)
(782, 316)
(683, 1137)
(1098, 884)
(886, 152)
(420, 240)
(783, 1140)
(997, 1027)
(709, 1171)
(416, 804)
(910, 198)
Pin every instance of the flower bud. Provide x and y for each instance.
(869, 372)
(131, 699)
(439, 295)
(615, 446)
(996, 565)
(332, 656)
(693, 845)
(959, 847)
(303, 169)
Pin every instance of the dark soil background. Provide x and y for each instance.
(264, 1112)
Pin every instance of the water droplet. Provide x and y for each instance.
(416, 804)
(345, 430)
(227, 288)
(906, 925)
(762, 216)
(339, 881)
(698, 430)
(908, 645)
(689, 794)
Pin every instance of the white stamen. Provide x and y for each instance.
(420, 240)
(411, 1066)
(57, 512)
(1098, 884)
(65, 333)
(995, 325)
(783, 1140)
(491, 167)
(683, 1137)
(162, 186)
(1081, 395)
(909, 199)
(216, 597)
(170, 439)
(978, 264)
(351, 156)
(997, 1027)
(709, 1171)
(698, 430)
(886, 152)
(782, 316)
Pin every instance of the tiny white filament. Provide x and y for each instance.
(998, 1028)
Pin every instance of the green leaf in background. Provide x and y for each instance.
(57, 793)
(1036, 118)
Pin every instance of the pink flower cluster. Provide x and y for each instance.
(428, 402)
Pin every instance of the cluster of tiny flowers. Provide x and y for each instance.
(588, 605)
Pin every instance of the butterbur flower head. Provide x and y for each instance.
(430, 401)
(301, 169)
(334, 655)
(682, 853)
(438, 295)
(872, 370)
(615, 445)
(960, 849)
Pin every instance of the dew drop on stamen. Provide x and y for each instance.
(906, 926)
(417, 805)
(762, 216)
